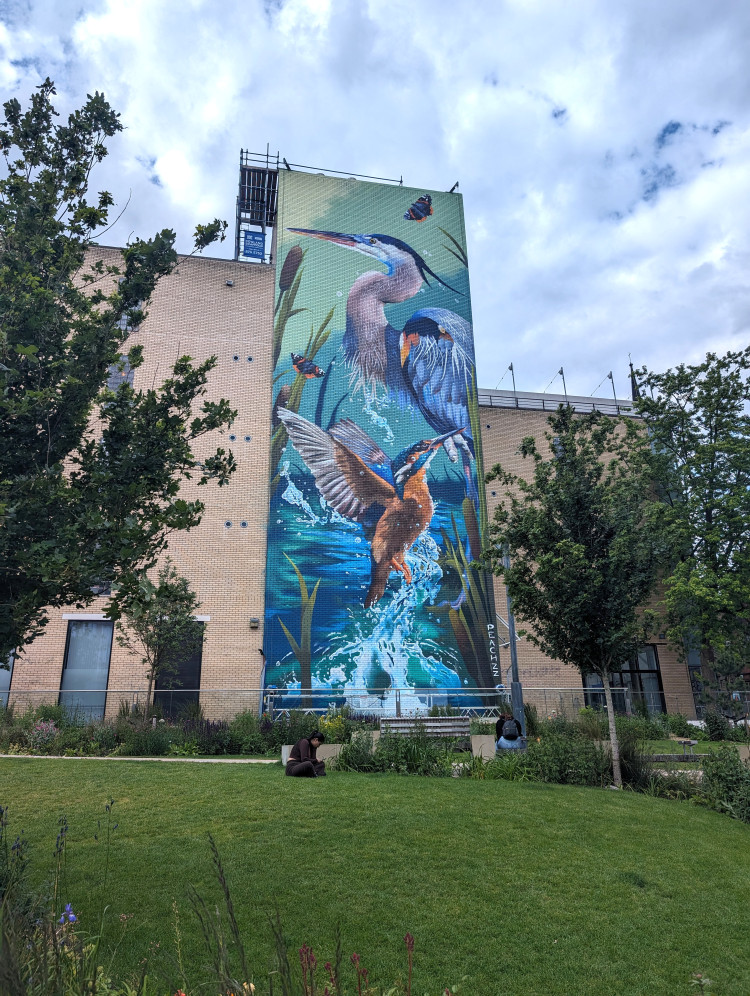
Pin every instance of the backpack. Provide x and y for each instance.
(510, 730)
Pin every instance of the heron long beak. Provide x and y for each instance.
(406, 342)
(436, 443)
(337, 237)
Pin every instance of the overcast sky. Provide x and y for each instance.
(602, 149)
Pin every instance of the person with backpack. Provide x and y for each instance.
(508, 733)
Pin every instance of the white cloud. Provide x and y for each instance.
(589, 236)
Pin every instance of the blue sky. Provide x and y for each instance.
(603, 150)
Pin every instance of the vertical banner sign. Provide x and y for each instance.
(253, 244)
(377, 506)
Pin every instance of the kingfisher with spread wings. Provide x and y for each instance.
(389, 498)
(430, 362)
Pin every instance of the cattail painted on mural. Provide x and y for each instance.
(290, 267)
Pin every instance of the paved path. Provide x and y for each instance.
(167, 760)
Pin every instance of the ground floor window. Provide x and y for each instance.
(179, 692)
(83, 688)
(5, 679)
(635, 689)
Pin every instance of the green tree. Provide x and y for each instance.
(78, 507)
(698, 422)
(583, 544)
(156, 622)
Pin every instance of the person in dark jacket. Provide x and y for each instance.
(508, 733)
(303, 762)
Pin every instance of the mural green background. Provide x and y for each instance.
(435, 631)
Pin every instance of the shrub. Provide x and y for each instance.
(679, 725)
(641, 727)
(533, 723)
(74, 740)
(445, 710)
(146, 741)
(52, 713)
(288, 729)
(670, 785)
(717, 726)
(510, 765)
(738, 734)
(593, 724)
(334, 726)
(103, 738)
(245, 727)
(357, 754)
(634, 762)
(482, 727)
(568, 760)
(41, 736)
(726, 783)
(416, 754)
(211, 737)
(560, 725)
(191, 712)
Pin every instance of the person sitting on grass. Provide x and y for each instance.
(303, 762)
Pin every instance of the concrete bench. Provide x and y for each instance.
(686, 744)
(432, 726)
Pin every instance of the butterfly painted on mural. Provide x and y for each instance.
(420, 209)
(305, 367)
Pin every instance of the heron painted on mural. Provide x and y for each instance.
(389, 498)
(430, 362)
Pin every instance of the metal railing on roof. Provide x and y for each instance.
(551, 402)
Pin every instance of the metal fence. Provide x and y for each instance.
(223, 703)
(551, 402)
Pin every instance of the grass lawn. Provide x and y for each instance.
(527, 889)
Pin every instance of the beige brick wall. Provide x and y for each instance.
(194, 312)
(502, 432)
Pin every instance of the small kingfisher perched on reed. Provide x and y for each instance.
(389, 498)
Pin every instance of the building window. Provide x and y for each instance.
(119, 374)
(635, 689)
(83, 689)
(5, 680)
(124, 323)
(180, 690)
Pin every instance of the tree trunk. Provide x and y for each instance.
(615, 747)
(148, 693)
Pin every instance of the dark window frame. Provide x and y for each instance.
(173, 700)
(98, 691)
(5, 693)
(594, 695)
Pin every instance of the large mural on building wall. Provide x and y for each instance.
(376, 512)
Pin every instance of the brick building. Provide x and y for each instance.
(228, 308)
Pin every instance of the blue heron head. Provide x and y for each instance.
(390, 251)
(421, 326)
